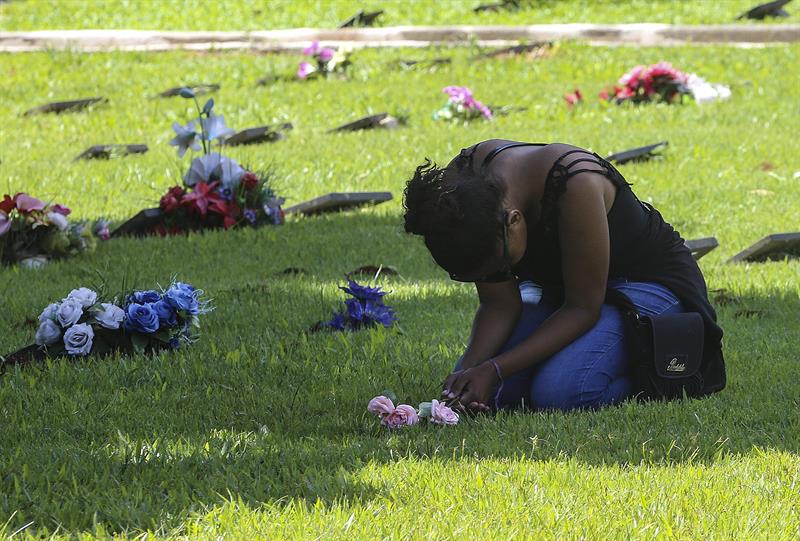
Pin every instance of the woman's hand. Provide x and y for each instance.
(473, 387)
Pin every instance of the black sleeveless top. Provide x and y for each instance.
(644, 248)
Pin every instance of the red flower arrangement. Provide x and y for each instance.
(649, 83)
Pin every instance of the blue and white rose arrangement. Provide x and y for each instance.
(82, 324)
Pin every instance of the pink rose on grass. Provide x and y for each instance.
(305, 69)
(442, 415)
(403, 415)
(26, 203)
(326, 54)
(380, 406)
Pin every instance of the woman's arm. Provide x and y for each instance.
(495, 319)
(584, 240)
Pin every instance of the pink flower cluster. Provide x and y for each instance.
(405, 415)
(644, 83)
(461, 95)
(322, 55)
(391, 416)
(32, 211)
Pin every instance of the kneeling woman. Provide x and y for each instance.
(543, 230)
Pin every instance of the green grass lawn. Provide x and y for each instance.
(246, 15)
(261, 431)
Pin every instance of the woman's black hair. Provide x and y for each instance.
(458, 211)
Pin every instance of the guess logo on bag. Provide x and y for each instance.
(675, 364)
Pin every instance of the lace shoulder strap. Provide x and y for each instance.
(556, 182)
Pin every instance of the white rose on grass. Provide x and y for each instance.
(78, 339)
(58, 220)
(69, 312)
(110, 316)
(48, 333)
(49, 312)
(83, 295)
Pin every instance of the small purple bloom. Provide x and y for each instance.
(338, 322)
(226, 193)
(326, 54)
(354, 310)
(174, 343)
(379, 313)
(363, 293)
(305, 69)
(312, 49)
(250, 215)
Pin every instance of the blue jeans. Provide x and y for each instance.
(590, 372)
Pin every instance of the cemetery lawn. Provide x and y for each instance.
(247, 15)
(260, 430)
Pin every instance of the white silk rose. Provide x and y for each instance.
(49, 312)
(69, 312)
(78, 339)
(110, 316)
(48, 333)
(83, 295)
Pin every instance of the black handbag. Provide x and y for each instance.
(666, 351)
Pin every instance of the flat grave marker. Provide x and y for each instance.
(59, 107)
(409, 64)
(259, 134)
(362, 18)
(772, 247)
(141, 224)
(504, 5)
(198, 89)
(635, 154)
(700, 247)
(338, 201)
(770, 9)
(532, 50)
(104, 152)
(381, 120)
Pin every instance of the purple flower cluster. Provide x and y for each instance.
(364, 309)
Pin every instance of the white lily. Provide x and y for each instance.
(185, 138)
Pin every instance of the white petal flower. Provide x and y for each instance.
(110, 316)
(48, 333)
(229, 173)
(49, 312)
(69, 312)
(58, 220)
(215, 128)
(78, 339)
(83, 295)
(202, 169)
(185, 138)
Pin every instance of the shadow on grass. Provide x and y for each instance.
(259, 411)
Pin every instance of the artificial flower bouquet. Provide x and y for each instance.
(84, 324)
(462, 106)
(364, 309)
(325, 61)
(32, 231)
(662, 83)
(217, 192)
(391, 416)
